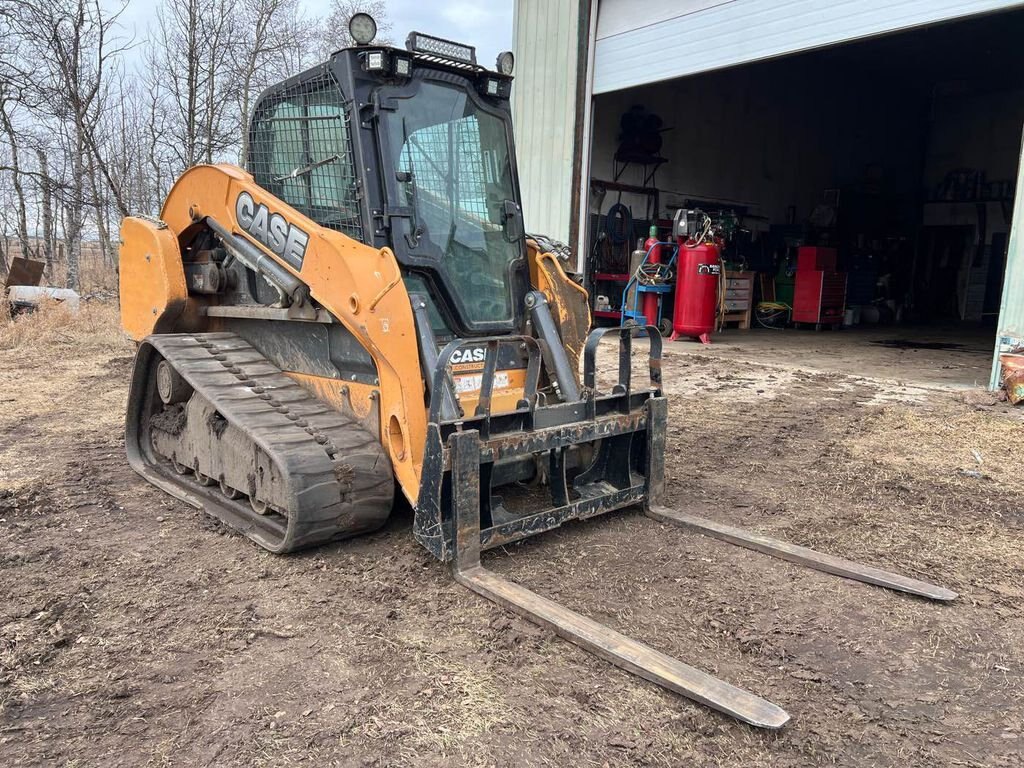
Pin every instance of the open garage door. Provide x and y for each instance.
(640, 43)
(892, 158)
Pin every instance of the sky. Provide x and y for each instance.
(487, 24)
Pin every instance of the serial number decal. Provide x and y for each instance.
(271, 229)
(474, 382)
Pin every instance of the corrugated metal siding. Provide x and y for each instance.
(749, 30)
(1011, 308)
(545, 40)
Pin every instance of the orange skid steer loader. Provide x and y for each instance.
(360, 313)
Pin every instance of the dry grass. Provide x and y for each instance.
(916, 441)
(47, 360)
(95, 326)
(95, 274)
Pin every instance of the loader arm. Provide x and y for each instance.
(359, 285)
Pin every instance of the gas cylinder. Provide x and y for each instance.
(697, 273)
(653, 251)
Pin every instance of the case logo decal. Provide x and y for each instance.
(272, 230)
(469, 355)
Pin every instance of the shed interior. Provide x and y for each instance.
(899, 154)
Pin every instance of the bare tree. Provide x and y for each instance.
(46, 208)
(190, 68)
(84, 141)
(72, 44)
(130, 137)
(6, 104)
(12, 76)
(5, 223)
(272, 32)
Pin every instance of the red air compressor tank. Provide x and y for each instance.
(697, 269)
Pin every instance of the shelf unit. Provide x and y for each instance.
(739, 298)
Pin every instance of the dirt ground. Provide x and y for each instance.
(134, 631)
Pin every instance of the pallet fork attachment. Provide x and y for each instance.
(600, 640)
(462, 449)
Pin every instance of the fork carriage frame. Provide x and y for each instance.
(627, 425)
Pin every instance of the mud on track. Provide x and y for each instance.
(134, 631)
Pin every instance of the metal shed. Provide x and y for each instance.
(570, 51)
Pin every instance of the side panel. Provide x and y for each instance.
(152, 287)
(358, 284)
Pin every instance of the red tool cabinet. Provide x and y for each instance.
(819, 296)
(811, 257)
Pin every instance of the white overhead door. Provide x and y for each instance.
(644, 42)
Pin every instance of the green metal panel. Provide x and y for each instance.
(1011, 309)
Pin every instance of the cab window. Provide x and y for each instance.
(301, 152)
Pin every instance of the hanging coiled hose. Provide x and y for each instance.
(618, 224)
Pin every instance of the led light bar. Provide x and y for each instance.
(441, 48)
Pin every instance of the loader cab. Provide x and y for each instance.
(409, 149)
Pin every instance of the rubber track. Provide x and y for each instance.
(339, 479)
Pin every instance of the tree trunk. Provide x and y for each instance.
(47, 205)
(19, 190)
(243, 119)
(75, 222)
(191, 134)
(100, 206)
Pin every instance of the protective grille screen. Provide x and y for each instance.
(302, 153)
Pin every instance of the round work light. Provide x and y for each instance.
(362, 28)
(506, 62)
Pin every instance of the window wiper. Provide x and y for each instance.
(451, 236)
(303, 170)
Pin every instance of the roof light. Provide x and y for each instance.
(494, 87)
(444, 49)
(506, 62)
(362, 28)
(375, 61)
(402, 66)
